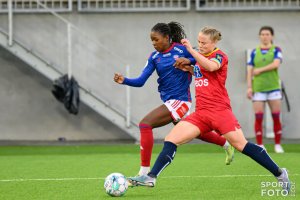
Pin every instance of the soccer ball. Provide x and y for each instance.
(115, 184)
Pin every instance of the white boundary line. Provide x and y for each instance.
(166, 177)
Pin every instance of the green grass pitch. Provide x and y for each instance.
(78, 172)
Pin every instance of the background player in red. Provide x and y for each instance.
(213, 112)
(264, 84)
(173, 86)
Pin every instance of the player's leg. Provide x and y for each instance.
(158, 117)
(226, 123)
(215, 138)
(183, 132)
(180, 109)
(259, 107)
(275, 107)
(258, 154)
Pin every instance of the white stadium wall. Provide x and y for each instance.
(127, 35)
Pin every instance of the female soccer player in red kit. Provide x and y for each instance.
(173, 86)
(213, 112)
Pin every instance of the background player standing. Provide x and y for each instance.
(264, 84)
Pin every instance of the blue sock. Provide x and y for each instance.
(261, 156)
(164, 159)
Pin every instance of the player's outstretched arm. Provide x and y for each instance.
(119, 78)
(134, 82)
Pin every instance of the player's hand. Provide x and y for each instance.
(249, 93)
(119, 78)
(187, 44)
(256, 72)
(188, 68)
(181, 62)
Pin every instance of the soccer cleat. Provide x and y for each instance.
(229, 154)
(143, 171)
(284, 180)
(143, 180)
(278, 148)
(129, 183)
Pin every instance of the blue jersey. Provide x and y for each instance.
(172, 83)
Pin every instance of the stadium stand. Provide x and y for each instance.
(23, 6)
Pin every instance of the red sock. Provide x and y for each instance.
(213, 137)
(277, 127)
(146, 144)
(258, 127)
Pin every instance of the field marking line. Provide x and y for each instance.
(47, 179)
(166, 177)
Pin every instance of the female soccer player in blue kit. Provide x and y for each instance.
(174, 89)
(213, 112)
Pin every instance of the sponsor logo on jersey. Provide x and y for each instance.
(201, 82)
(176, 56)
(177, 49)
(197, 72)
(167, 55)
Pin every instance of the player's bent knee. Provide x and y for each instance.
(238, 145)
(177, 141)
(182, 133)
(146, 121)
(172, 139)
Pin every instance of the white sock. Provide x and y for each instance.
(144, 170)
(226, 145)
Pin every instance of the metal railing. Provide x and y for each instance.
(133, 5)
(30, 6)
(243, 5)
(70, 50)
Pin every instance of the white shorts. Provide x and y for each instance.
(178, 109)
(265, 96)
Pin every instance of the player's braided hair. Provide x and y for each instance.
(173, 29)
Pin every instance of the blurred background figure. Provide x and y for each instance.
(264, 84)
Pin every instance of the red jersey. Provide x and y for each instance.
(210, 86)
